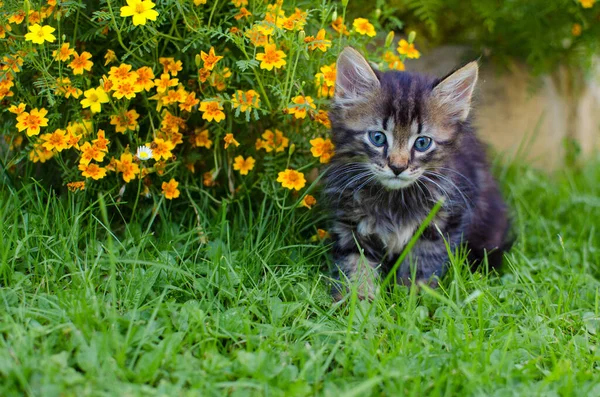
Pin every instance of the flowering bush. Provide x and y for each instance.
(112, 94)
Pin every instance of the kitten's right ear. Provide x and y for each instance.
(355, 79)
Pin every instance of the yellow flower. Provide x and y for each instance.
(212, 110)
(322, 148)
(40, 154)
(308, 201)
(322, 117)
(17, 17)
(93, 171)
(81, 62)
(201, 139)
(125, 121)
(165, 82)
(271, 58)
(141, 10)
(338, 26)
(244, 13)
(125, 88)
(364, 27)
(199, 2)
(94, 98)
(325, 81)
(272, 141)
(576, 30)
(318, 42)
(17, 109)
(291, 179)
(55, 141)
(300, 104)
(243, 166)
(321, 235)
(245, 100)
(109, 57)
(63, 53)
(170, 65)
(161, 148)
(587, 3)
(170, 190)
(394, 61)
(89, 153)
(404, 48)
(189, 102)
(101, 143)
(126, 165)
(230, 140)
(13, 63)
(38, 34)
(32, 121)
(210, 59)
(74, 186)
(239, 3)
(145, 75)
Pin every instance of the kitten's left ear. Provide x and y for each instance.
(453, 94)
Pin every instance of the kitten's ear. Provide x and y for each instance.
(453, 94)
(355, 79)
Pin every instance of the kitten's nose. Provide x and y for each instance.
(397, 169)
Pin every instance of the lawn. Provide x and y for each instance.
(198, 298)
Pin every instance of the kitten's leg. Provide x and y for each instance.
(429, 260)
(350, 266)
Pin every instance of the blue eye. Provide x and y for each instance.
(377, 138)
(423, 143)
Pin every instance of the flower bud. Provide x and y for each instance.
(198, 59)
(389, 39)
(378, 12)
(26, 7)
(301, 35)
(292, 149)
(334, 16)
(411, 36)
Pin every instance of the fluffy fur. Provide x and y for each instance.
(380, 195)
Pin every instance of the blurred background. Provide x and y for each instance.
(538, 98)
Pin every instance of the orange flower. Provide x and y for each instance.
(576, 30)
(318, 42)
(55, 141)
(101, 143)
(81, 62)
(271, 58)
(364, 27)
(189, 102)
(145, 75)
(170, 65)
(325, 81)
(17, 109)
(121, 73)
(244, 13)
(126, 165)
(170, 190)
(64, 53)
(299, 106)
(404, 48)
(32, 121)
(322, 148)
(272, 141)
(291, 179)
(109, 57)
(212, 110)
(125, 121)
(230, 140)
(74, 186)
(161, 149)
(201, 139)
(93, 171)
(338, 26)
(245, 100)
(322, 117)
(40, 154)
(394, 61)
(308, 201)
(210, 59)
(243, 165)
(165, 82)
(89, 153)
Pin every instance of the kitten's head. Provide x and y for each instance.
(397, 125)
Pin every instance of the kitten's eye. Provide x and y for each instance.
(423, 143)
(377, 138)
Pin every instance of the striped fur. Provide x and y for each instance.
(377, 211)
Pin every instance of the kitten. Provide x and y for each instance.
(404, 141)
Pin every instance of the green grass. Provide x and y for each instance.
(89, 306)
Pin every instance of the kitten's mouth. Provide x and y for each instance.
(396, 182)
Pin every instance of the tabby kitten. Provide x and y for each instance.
(404, 141)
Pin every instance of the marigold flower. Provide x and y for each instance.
(404, 48)
(124, 88)
(212, 110)
(321, 235)
(32, 121)
(165, 82)
(73, 139)
(322, 148)
(210, 59)
(40, 154)
(203, 75)
(243, 165)
(325, 81)
(126, 166)
(81, 62)
(55, 141)
(299, 106)
(101, 143)
(63, 53)
(140, 10)
(3, 30)
(145, 75)
(364, 27)
(17, 17)
(576, 30)
(339, 26)
(170, 190)
(394, 61)
(245, 100)
(308, 201)
(121, 73)
(74, 186)
(109, 57)
(208, 179)
(161, 148)
(38, 34)
(93, 171)
(239, 3)
(201, 139)
(587, 3)
(89, 153)
(318, 42)
(272, 141)
(271, 58)
(13, 62)
(125, 121)
(189, 102)
(244, 13)
(199, 2)
(144, 153)
(291, 179)
(170, 65)
(230, 140)
(322, 117)
(17, 109)
(94, 98)
(257, 37)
